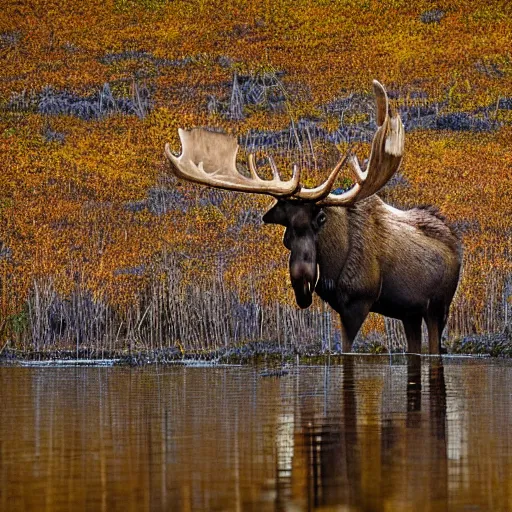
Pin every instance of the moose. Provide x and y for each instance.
(358, 253)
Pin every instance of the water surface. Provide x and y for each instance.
(372, 433)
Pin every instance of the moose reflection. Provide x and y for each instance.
(356, 252)
(355, 460)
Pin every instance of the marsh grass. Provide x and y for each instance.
(177, 318)
(169, 313)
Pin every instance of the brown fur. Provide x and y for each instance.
(430, 220)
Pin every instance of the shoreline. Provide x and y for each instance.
(498, 345)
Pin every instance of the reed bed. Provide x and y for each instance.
(168, 313)
(173, 316)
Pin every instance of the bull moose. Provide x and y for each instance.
(356, 252)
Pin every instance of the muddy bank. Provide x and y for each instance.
(492, 345)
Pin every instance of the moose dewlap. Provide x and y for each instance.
(356, 252)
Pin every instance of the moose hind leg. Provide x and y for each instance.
(412, 327)
(435, 320)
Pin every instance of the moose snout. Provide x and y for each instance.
(303, 275)
(302, 271)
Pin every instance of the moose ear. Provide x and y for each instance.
(276, 214)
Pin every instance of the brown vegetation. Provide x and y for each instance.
(92, 227)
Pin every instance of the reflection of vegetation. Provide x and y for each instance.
(89, 217)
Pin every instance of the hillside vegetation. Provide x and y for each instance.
(101, 250)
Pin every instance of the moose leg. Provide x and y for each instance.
(435, 320)
(434, 335)
(412, 327)
(352, 317)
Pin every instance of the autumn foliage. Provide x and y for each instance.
(88, 208)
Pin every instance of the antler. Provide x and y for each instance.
(385, 157)
(209, 158)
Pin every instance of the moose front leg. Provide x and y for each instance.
(352, 317)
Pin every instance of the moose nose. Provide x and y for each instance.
(302, 270)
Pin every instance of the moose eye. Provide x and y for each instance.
(320, 219)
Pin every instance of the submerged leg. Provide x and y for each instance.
(412, 327)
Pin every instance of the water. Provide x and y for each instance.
(370, 434)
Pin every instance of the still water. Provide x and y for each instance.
(367, 433)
